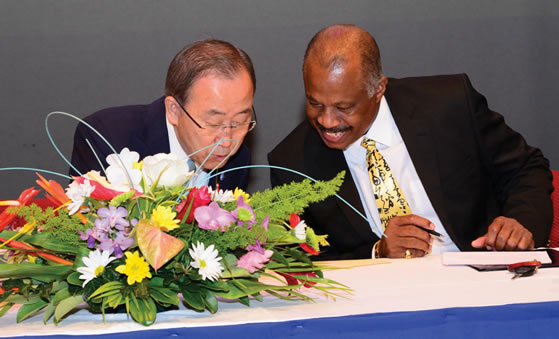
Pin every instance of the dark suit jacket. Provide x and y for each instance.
(141, 128)
(471, 164)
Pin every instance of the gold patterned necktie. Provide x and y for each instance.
(390, 199)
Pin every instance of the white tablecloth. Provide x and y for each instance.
(396, 285)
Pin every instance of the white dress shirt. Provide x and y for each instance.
(390, 144)
(202, 178)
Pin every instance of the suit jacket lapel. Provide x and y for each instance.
(416, 131)
(326, 164)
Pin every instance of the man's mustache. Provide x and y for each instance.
(338, 129)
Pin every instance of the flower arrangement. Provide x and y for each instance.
(139, 238)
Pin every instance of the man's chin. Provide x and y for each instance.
(339, 144)
(215, 162)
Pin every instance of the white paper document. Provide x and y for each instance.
(493, 258)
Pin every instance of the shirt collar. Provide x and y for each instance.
(379, 130)
(383, 136)
(174, 145)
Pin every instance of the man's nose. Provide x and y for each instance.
(328, 118)
(225, 137)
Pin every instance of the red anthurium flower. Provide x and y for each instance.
(100, 192)
(24, 197)
(198, 197)
(294, 281)
(294, 220)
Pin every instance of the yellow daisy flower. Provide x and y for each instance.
(238, 192)
(136, 268)
(165, 218)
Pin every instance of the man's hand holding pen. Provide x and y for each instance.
(407, 236)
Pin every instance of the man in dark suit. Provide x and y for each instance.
(463, 171)
(208, 101)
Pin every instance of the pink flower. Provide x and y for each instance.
(253, 260)
(213, 217)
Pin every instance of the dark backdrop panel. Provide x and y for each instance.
(80, 56)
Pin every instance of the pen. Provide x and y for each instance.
(434, 233)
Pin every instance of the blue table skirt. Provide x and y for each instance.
(534, 320)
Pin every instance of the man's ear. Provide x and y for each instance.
(172, 110)
(381, 87)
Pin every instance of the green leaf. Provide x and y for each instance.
(210, 301)
(6, 294)
(297, 255)
(46, 241)
(239, 288)
(143, 311)
(61, 295)
(114, 300)
(5, 308)
(22, 300)
(39, 272)
(164, 295)
(193, 299)
(237, 272)
(277, 256)
(218, 285)
(134, 307)
(229, 260)
(74, 279)
(30, 309)
(110, 286)
(245, 301)
(151, 311)
(258, 297)
(122, 198)
(66, 306)
(49, 311)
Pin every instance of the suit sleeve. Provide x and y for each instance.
(84, 157)
(520, 173)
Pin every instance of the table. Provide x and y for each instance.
(397, 299)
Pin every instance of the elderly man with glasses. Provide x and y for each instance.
(204, 117)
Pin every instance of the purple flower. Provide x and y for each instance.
(115, 216)
(253, 261)
(106, 245)
(256, 247)
(123, 241)
(111, 231)
(265, 223)
(89, 235)
(244, 212)
(212, 217)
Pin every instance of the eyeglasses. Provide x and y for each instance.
(213, 128)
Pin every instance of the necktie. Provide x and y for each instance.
(201, 179)
(388, 195)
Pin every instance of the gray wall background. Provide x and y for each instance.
(80, 56)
